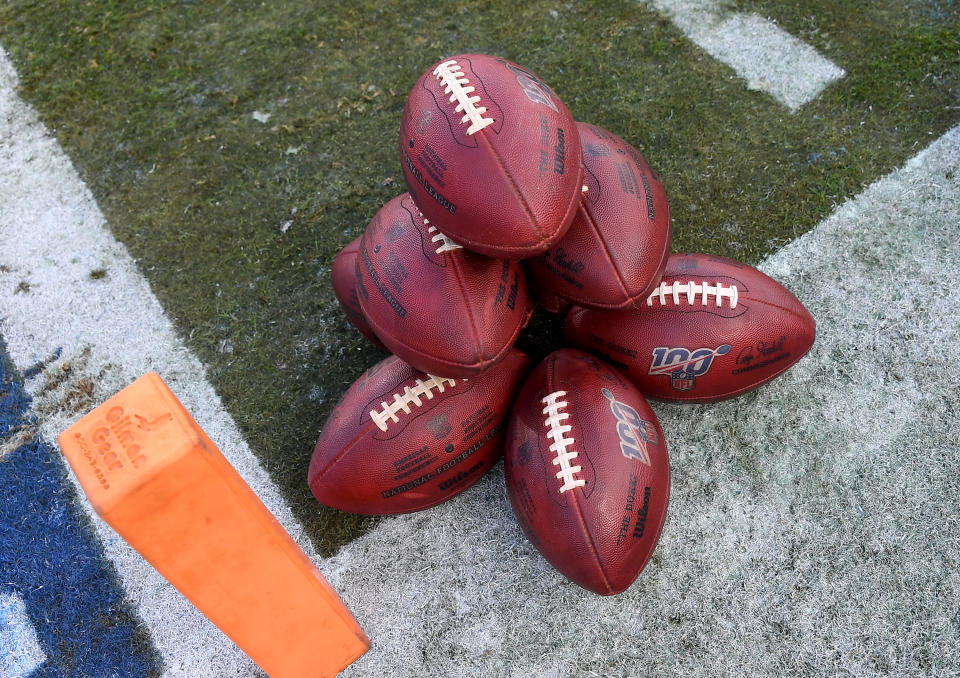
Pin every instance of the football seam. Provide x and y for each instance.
(632, 302)
(343, 452)
(663, 262)
(508, 251)
(516, 190)
(591, 544)
(606, 251)
(474, 330)
(782, 308)
(481, 363)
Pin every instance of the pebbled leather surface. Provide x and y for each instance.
(601, 534)
(434, 452)
(452, 313)
(701, 353)
(617, 246)
(510, 189)
(343, 275)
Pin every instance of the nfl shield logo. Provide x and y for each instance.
(682, 380)
(439, 426)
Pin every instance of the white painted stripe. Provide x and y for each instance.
(110, 330)
(20, 651)
(767, 57)
(812, 525)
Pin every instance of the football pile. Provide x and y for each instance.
(509, 199)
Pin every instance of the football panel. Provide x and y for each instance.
(411, 296)
(549, 519)
(349, 419)
(496, 296)
(754, 283)
(580, 268)
(344, 279)
(546, 298)
(617, 246)
(440, 307)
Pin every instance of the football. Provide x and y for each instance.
(442, 308)
(713, 328)
(614, 252)
(401, 440)
(491, 155)
(587, 471)
(343, 275)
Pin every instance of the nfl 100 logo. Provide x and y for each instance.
(683, 365)
(635, 433)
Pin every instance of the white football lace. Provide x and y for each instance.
(691, 291)
(556, 431)
(410, 396)
(456, 84)
(446, 244)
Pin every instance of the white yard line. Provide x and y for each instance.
(108, 330)
(20, 651)
(767, 57)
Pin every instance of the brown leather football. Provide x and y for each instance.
(343, 275)
(442, 308)
(614, 252)
(491, 155)
(587, 471)
(713, 328)
(401, 440)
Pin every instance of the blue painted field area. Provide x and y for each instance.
(50, 559)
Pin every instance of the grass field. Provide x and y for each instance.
(236, 147)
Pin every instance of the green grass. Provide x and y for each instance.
(235, 222)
